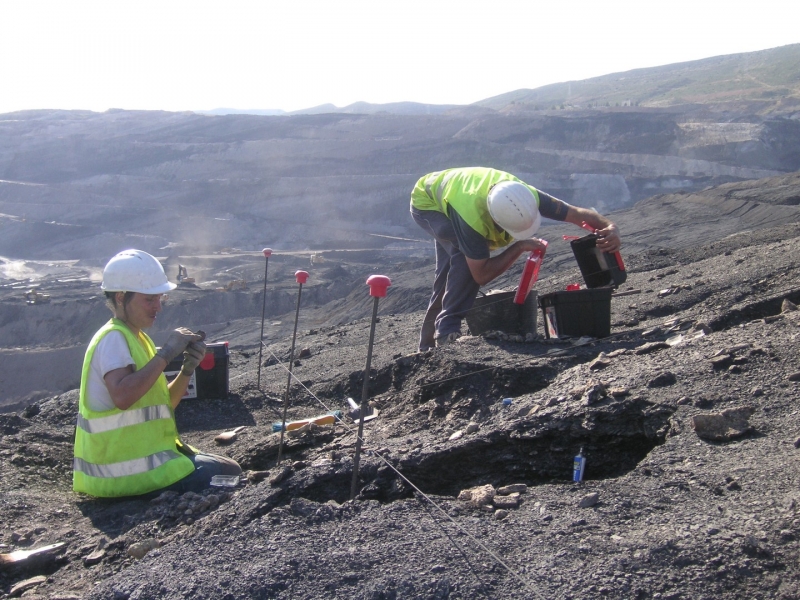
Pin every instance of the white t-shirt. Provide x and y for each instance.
(111, 353)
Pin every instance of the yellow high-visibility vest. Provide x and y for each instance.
(127, 452)
(466, 190)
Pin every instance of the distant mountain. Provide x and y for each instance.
(357, 108)
(365, 108)
(768, 79)
(242, 111)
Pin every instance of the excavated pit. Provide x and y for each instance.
(614, 440)
(423, 401)
(500, 457)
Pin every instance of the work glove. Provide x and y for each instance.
(176, 343)
(193, 356)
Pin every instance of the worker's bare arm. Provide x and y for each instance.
(177, 388)
(126, 386)
(607, 232)
(485, 270)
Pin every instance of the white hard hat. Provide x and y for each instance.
(135, 271)
(513, 207)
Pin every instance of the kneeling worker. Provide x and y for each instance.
(470, 212)
(126, 440)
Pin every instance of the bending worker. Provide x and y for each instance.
(126, 440)
(471, 212)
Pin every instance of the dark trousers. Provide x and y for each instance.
(454, 289)
(205, 467)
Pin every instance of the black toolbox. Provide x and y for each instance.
(498, 311)
(584, 312)
(597, 267)
(210, 379)
(577, 313)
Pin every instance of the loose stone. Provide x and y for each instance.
(280, 475)
(514, 488)
(601, 362)
(662, 380)
(510, 501)
(724, 426)
(140, 549)
(256, 476)
(94, 558)
(23, 586)
(478, 496)
(721, 361)
(650, 347)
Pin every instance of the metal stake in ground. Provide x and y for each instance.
(377, 289)
(267, 253)
(301, 277)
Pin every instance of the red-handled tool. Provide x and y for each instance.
(530, 273)
(617, 256)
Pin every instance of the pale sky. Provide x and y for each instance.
(294, 54)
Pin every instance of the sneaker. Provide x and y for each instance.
(447, 339)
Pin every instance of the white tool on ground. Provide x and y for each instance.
(227, 437)
(21, 555)
(355, 411)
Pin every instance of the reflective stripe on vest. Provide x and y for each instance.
(128, 467)
(124, 419)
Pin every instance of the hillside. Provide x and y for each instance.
(767, 82)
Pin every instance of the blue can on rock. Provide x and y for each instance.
(578, 464)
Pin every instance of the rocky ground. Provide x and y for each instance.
(687, 415)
